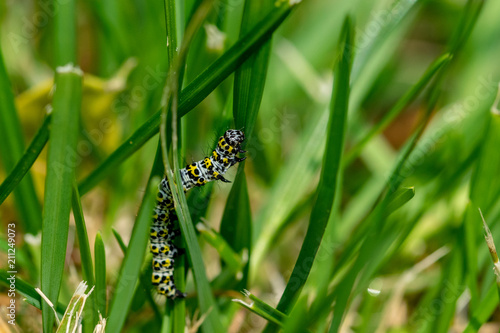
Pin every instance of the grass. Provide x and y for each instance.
(357, 206)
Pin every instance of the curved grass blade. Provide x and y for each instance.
(71, 321)
(91, 316)
(236, 224)
(26, 161)
(11, 150)
(195, 92)
(131, 266)
(58, 184)
(330, 171)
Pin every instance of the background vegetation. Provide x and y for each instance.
(372, 138)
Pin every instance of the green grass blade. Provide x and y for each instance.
(71, 321)
(100, 274)
(194, 93)
(65, 33)
(131, 266)
(26, 161)
(329, 175)
(90, 316)
(145, 279)
(284, 196)
(236, 224)
(233, 261)
(485, 183)
(11, 151)
(28, 291)
(263, 309)
(58, 184)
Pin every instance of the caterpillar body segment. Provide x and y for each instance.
(162, 232)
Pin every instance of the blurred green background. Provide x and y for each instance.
(428, 268)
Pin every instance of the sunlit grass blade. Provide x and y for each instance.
(132, 263)
(195, 92)
(263, 309)
(330, 170)
(26, 290)
(11, 152)
(26, 161)
(100, 274)
(91, 316)
(58, 183)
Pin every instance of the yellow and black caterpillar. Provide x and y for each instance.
(162, 232)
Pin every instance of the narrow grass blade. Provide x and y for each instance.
(399, 198)
(493, 251)
(206, 302)
(26, 161)
(330, 169)
(91, 316)
(249, 80)
(145, 278)
(131, 266)
(284, 196)
(484, 192)
(58, 184)
(11, 152)
(65, 42)
(71, 321)
(250, 77)
(195, 92)
(485, 183)
(236, 224)
(27, 291)
(100, 274)
(120, 241)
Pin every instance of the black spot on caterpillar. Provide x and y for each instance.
(162, 232)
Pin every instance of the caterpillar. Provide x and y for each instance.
(162, 231)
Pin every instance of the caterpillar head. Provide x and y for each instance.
(234, 138)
